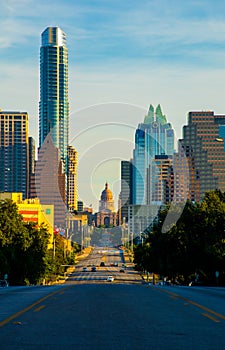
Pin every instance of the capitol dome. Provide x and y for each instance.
(106, 194)
(106, 202)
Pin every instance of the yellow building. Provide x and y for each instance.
(72, 180)
(33, 211)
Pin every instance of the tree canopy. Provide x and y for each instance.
(24, 253)
(193, 246)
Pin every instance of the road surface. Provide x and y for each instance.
(121, 315)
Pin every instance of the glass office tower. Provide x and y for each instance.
(154, 137)
(14, 152)
(54, 105)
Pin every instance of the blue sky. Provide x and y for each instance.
(123, 55)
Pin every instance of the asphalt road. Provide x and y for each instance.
(110, 257)
(120, 315)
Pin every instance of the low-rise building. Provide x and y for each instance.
(33, 211)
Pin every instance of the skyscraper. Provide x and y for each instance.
(154, 137)
(205, 155)
(126, 190)
(54, 104)
(50, 173)
(14, 152)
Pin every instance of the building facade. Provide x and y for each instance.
(14, 152)
(106, 215)
(205, 152)
(72, 179)
(54, 104)
(154, 137)
(31, 162)
(125, 199)
(50, 181)
(33, 211)
(157, 175)
(53, 123)
(140, 217)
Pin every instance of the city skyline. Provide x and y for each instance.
(122, 57)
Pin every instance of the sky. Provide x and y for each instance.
(123, 56)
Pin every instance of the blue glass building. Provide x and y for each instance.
(153, 137)
(54, 105)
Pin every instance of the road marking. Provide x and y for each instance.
(21, 312)
(39, 308)
(202, 307)
(211, 317)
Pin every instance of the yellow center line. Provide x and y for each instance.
(211, 317)
(39, 308)
(19, 313)
(202, 307)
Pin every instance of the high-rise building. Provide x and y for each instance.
(72, 181)
(177, 188)
(157, 175)
(14, 152)
(154, 137)
(54, 104)
(50, 181)
(51, 175)
(205, 152)
(32, 151)
(126, 190)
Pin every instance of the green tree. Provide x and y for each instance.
(14, 241)
(34, 258)
(195, 245)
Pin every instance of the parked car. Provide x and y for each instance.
(122, 270)
(93, 269)
(102, 263)
(85, 269)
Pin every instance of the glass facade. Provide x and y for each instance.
(126, 189)
(54, 105)
(14, 152)
(154, 137)
(203, 145)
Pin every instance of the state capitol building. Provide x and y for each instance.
(106, 215)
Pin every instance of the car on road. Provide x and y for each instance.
(85, 269)
(122, 270)
(93, 269)
(4, 283)
(110, 278)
